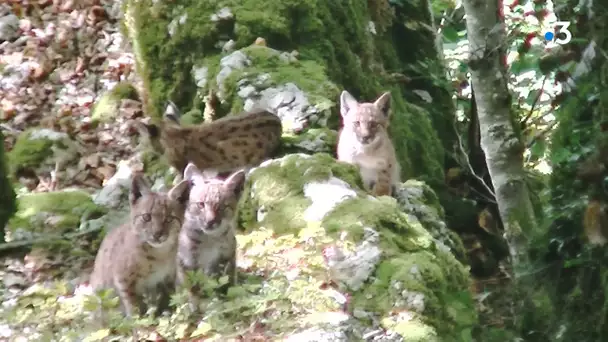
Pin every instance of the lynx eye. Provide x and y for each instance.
(146, 217)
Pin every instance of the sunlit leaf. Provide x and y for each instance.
(97, 336)
(203, 328)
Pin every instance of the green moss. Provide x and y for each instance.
(278, 189)
(164, 62)
(8, 204)
(356, 213)
(308, 75)
(106, 108)
(411, 260)
(419, 198)
(156, 166)
(335, 49)
(418, 147)
(66, 208)
(29, 153)
(313, 140)
(193, 117)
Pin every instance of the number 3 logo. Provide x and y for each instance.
(563, 28)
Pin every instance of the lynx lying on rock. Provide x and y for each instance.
(138, 258)
(364, 141)
(207, 240)
(224, 145)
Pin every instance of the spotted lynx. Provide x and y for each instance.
(137, 259)
(207, 240)
(225, 145)
(364, 141)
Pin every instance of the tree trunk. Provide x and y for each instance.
(500, 142)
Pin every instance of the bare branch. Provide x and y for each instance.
(469, 166)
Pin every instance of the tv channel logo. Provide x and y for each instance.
(560, 36)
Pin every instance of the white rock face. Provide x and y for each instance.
(325, 196)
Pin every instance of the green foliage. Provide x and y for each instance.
(8, 204)
(53, 212)
(28, 153)
(106, 108)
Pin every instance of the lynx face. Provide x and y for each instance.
(156, 217)
(367, 121)
(213, 201)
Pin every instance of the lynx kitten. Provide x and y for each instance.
(224, 145)
(364, 141)
(207, 240)
(137, 259)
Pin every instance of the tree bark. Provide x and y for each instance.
(500, 142)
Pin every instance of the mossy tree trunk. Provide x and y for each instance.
(8, 203)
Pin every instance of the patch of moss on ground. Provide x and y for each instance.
(28, 153)
(106, 108)
(65, 207)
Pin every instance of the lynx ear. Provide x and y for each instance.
(383, 103)
(236, 182)
(171, 112)
(180, 192)
(139, 188)
(347, 102)
(191, 171)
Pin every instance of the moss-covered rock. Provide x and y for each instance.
(35, 147)
(318, 47)
(106, 107)
(313, 140)
(397, 266)
(51, 213)
(422, 204)
(319, 260)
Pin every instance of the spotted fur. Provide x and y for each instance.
(207, 241)
(137, 259)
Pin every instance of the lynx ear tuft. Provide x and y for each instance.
(347, 103)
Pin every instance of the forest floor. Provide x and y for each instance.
(63, 55)
(56, 59)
